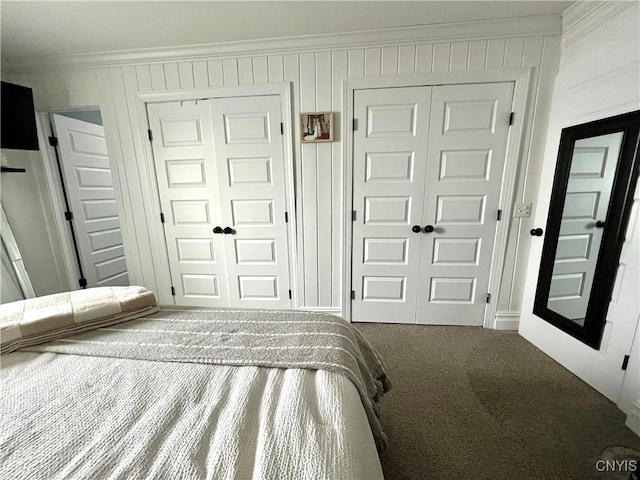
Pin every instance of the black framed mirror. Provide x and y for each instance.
(593, 187)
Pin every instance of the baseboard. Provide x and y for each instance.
(330, 310)
(507, 320)
(633, 418)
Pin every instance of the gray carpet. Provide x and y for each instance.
(471, 403)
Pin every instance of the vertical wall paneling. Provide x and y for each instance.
(441, 57)
(172, 76)
(216, 76)
(356, 63)
(276, 68)
(200, 74)
(372, 62)
(245, 71)
(495, 52)
(324, 87)
(260, 74)
(477, 54)
(185, 71)
(308, 173)
(459, 56)
(339, 70)
(390, 61)
(230, 71)
(407, 60)
(291, 73)
(317, 85)
(424, 58)
(158, 81)
(143, 75)
(513, 52)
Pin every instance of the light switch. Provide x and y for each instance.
(522, 210)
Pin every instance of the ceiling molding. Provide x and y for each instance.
(503, 28)
(582, 17)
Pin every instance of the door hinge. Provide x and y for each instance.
(286, 217)
(625, 362)
(511, 117)
(68, 216)
(82, 282)
(173, 291)
(289, 294)
(53, 141)
(281, 128)
(355, 124)
(150, 134)
(499, 215)
(353, 294)
(161, 217)
(353, 215)
(488, 300)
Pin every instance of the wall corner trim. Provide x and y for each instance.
(537, 25)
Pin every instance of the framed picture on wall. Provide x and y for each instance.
(316, 127)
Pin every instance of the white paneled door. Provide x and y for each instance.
(89, 185)
(220, 170)
(428, 168)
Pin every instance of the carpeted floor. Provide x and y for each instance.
(471, 403)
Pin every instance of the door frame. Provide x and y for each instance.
(156, 232)
(522, 78)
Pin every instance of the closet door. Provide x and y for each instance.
(465, 163)
(251, 184)
(188, 181)
(390, 150)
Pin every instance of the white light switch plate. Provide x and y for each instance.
(522, 210)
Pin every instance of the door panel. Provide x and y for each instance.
(388, 192)
(465, 163)
(250, 165)
(183, 152)
(89, 184)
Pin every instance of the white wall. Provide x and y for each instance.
(316, 68)
(26, 202)
(599, 77)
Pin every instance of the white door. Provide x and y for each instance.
(390, 150)
(89, 185)
(249, 155)
(430, 158)
(189, 197)
(593, 167)
(220, 170)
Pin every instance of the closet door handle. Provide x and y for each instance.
(228, 230)
(536, 232)
(600, 224)
(416, 229)
(217, 230)
(429, 229)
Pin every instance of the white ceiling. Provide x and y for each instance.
(42, 28)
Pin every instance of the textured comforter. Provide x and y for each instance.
(145, 399)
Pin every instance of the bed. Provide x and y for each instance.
(105, 384)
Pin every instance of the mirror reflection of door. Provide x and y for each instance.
(593, 166)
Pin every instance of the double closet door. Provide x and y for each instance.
(221, 180)
(428, 169)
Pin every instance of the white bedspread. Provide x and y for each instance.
(111, 418)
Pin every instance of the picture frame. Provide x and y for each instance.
(316, 127)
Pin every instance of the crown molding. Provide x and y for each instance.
(503, 28)
(582, 17)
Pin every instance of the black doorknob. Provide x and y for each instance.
(228, 230)
(536, 232)
(600, 224)
(217, 230)
(429, 229)
(416, 229)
